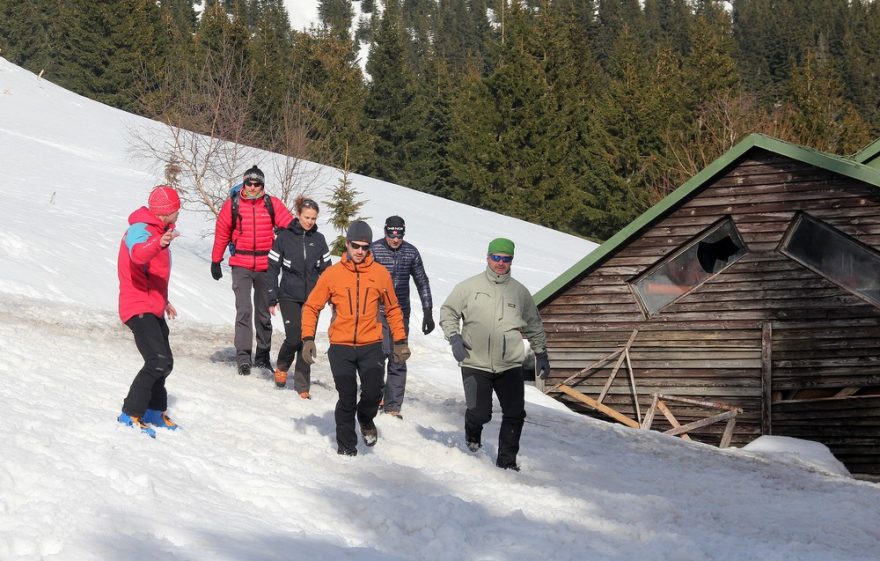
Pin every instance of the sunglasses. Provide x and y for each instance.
(394, 233)
(359, 246)
(309, 203)
(501, 258)
(252, 182)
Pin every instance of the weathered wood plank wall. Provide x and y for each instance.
(708, 344)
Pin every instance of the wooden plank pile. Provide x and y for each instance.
(660, 401)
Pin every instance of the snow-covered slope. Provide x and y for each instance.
(253, 473)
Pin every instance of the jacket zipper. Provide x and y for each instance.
(357, 303)
(305, 269)
(254, 230)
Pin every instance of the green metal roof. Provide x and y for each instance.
(852, 168)
(869, 155)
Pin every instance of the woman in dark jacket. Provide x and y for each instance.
(300, 254)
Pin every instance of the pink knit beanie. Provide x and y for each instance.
(164, 200)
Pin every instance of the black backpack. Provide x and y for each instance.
(235, 195)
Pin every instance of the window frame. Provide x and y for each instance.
(799, 219)
(685, 247)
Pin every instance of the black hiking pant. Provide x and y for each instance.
(147, 391)
(346, 364)
(508, 386)
(292, 346)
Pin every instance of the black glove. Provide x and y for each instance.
(428, 322)
(542, 365)
(215, 270)
(459, 348)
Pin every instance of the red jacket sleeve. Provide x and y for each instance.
(143, 253)
(283, 217)
(222, 231)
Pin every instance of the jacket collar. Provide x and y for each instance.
(495, 277)
(351, 266)
(297, 228)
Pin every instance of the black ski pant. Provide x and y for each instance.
(292, 346)
(508, 386)
(147, 391)
(346, 364)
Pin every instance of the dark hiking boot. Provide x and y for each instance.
(280, 378)
(510, 465)
(371, 435)
(262, 361)
(343, 451)
(474, 445)
(244, 369)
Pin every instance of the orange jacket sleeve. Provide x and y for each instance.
(392, 308)
(314, 304)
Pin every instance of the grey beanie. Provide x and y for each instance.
(359, 231)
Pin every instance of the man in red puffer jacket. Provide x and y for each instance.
(252, 235)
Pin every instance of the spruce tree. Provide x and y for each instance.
(822, 118)
(336, 16)
(389, 97)
(344, 206)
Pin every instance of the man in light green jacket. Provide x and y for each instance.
(485, 319)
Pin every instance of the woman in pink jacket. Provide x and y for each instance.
(144, 267)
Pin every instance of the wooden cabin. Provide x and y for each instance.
(756, 284)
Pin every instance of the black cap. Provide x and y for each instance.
(255, 174)
(395, 222)
(359, 231)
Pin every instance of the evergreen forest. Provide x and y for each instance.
(575, 114)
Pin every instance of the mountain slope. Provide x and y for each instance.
(253, 473)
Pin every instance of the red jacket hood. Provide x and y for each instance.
(143, 214)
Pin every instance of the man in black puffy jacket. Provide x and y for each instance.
(403, 261)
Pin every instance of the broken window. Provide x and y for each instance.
(698, 260)
(836, 256)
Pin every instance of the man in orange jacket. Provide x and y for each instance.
(355, 287)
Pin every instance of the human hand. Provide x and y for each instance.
(170, 311)
(428, 322)
(216, 272)
(309, 351)
(272, 309)
(459, 348)
(542, 365)
(166, 238)
(401, 351)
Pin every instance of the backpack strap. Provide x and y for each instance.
(269, 208)
(235, 212)
(235, 216)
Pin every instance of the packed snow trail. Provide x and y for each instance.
(253, 472)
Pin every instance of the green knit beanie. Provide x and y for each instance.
(501, 245)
